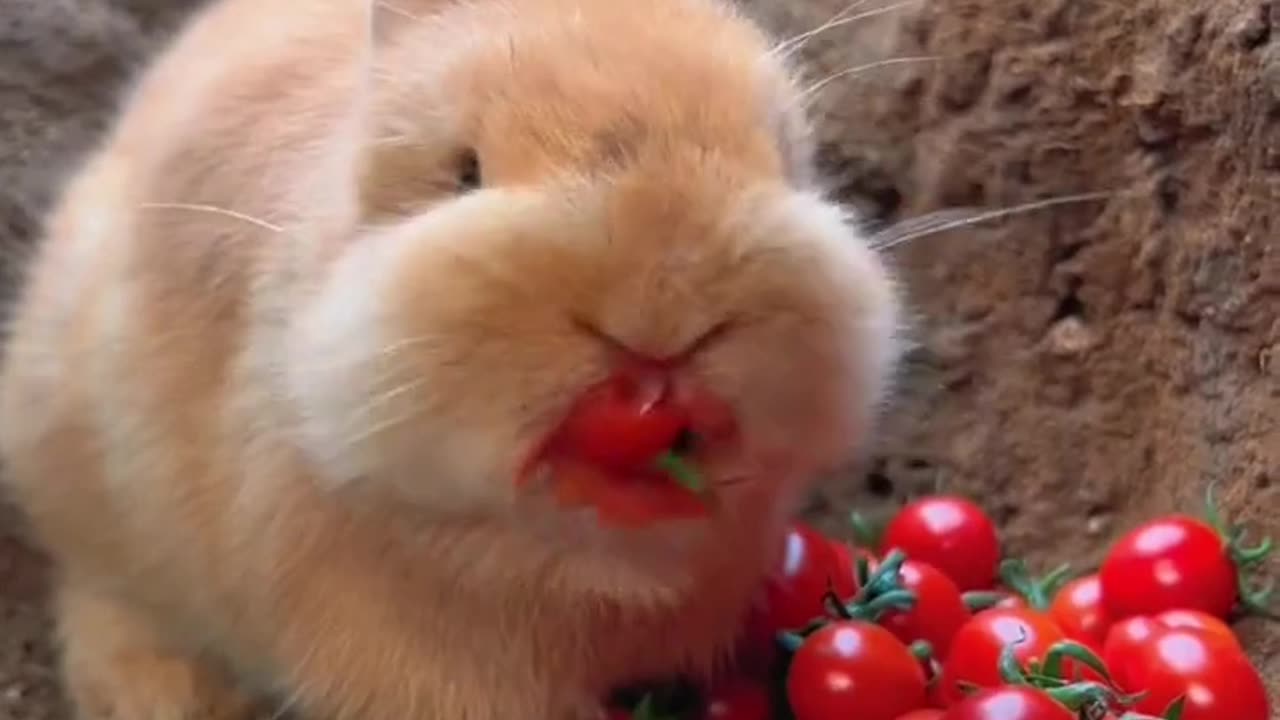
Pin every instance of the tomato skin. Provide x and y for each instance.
(977, 646)
(617, 425)
(950, 533)
(938, 613)
(1174, 562)
(1126, 639)
(1200, 621)
(1217, 679)
(794, 594)
(1010, 702)
(854, 669)
(1078, 609)
(922, 714)
(739, 700)
(635, 502)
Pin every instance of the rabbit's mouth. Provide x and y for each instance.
(619, 498)
(632, 447)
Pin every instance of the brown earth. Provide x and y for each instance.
(1077, 368)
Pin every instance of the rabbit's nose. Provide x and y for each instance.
(668, 348)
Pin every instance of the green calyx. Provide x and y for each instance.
(675, 464)
(1038, 593)
(979, 600)
(1252, 600)
(680, 469)
(866, 532)
(878, 593)
(1087, 697)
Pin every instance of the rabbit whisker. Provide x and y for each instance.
(958, 218)
(214, 210)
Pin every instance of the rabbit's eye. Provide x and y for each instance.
(469, 177)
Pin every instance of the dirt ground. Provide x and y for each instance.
(1076, 369)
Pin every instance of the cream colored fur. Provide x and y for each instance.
(272, 377)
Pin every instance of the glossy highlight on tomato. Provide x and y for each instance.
(854, 669)
(810, 564)
(1216, 679)
(1126, 639)
(1200, 621)
(1079, 611)
(950, 533)
(938, 613)
(1174, 562)
(1011, 702)
(977, 647)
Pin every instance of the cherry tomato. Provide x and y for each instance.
(938, 613)
(977, 646)
(1126, 639)
(1011, 702)
(810, 564)
(854, 669)
(951, 534)
(622, 423)
(1216, 679)
(740, 700)
(1078, 610)
(1175, 562)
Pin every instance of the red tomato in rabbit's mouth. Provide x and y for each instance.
(622, 499)
(613, 450)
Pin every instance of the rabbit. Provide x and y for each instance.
(337, 269)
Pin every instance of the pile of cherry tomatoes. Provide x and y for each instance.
(932, 624)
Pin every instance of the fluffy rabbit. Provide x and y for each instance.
(337, 271)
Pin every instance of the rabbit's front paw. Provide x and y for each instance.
(116, 668)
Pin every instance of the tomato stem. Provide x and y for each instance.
(791, 641)
(862, 570)
(865, 532)
(1038, 594)
(685, 473)
(1064, 649)
(882, 591)
(979, 600)
(877, 594)
(923, 650)
(1077, 695)
(1251, 601)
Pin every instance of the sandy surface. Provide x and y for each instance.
(1077, 369)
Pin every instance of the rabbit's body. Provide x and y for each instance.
(278, 365)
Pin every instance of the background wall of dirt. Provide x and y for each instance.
(1076, 368)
